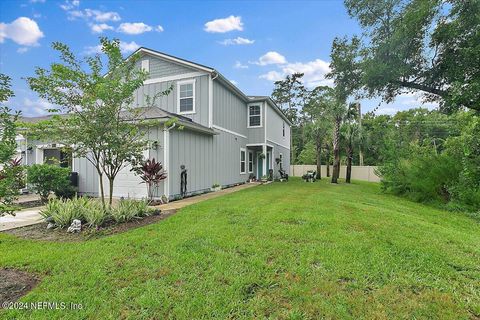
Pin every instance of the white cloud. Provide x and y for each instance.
(272, 76)
(271, 57)
(386, 111)
(125, 47)
(96, 15)
(159, 28)
(36, 107)
(22, 50)
(224, 25)
(134, 28)
(69, 5)
(239, 65)
(23, 31)
(99, 28)
(314, 72)
(237, 41)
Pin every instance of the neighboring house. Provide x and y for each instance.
(224, 134)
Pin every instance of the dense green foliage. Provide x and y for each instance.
(91, 211)
(11, 171)
(47, 178)
(430, 46)
(297, 251)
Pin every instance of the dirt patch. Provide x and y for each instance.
(40, 232)
(14, 284)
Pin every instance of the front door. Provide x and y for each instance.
(259, 166)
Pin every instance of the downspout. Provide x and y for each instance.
(166, 155)
(213, 75)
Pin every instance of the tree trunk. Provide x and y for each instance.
(349, 165)
(336, 151)
(328, 161)
(110, 193)
(102, 191)
(319, 160)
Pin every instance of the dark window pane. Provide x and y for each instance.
(186, 104)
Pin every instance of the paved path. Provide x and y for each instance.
(32, 216)
(188, 201)
(21, 219)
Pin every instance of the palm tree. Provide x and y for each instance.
(337, 111)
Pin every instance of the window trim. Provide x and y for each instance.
(250, 152)
(244, 161)
(179, 83)
(248, 115)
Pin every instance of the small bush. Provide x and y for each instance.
(94, 214)
(129, 209)
(64, 212)
(47, 178)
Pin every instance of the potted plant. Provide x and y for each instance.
(261, 156)
(216, 187)
(251, 177)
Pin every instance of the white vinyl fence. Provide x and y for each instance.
(364, 173)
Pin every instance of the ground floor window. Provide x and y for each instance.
(242, 160)
(250, 161)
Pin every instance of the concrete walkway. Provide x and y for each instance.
(32, 215)
(21, 219)
(188, 201)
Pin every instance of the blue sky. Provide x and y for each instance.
(252, 43)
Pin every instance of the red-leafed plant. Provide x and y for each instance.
(151, 172)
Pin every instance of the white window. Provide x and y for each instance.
(250, 161)
(146, 65)
(283, 129)
(242, 160)
(254, 116)
(186, 97)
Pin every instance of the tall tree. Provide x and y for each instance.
(101, 122)
(290, 95)
(317, 125)
(350, 133)
(430, 46)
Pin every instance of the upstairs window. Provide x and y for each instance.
(254, 116)
(283, 129)
(186, 97)
(242, 161)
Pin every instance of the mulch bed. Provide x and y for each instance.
(15, 283)
(40, 232)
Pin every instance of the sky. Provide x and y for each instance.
(252, 43)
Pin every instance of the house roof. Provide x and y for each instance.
(145, 114)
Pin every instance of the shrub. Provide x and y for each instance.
(64, 212)
(129, 209)
(46, 178)
(94, 214)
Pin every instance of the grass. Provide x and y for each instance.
(282, 251)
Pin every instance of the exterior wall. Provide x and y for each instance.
(229, 110)
(257, 135)
(162, 68)
(364, 173)
(88, 180)
(274, 128)
(169, 102)
(208, 160)
(277, 149)
(126, 183)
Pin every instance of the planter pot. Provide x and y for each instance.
(215, 189)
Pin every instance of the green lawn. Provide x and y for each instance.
(281, 251)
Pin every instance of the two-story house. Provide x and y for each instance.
(226, 135)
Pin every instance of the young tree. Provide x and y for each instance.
(317, 125)
(11, 172)
(101, 122)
